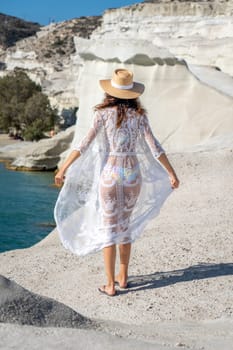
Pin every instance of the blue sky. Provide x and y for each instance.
(43, 11)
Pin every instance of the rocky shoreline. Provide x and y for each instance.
(43, 155)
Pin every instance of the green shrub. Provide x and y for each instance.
(24, 107)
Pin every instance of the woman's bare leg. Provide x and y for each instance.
(109, 262)
(122, 277)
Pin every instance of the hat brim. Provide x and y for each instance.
(134, 92)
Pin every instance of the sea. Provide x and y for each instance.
(27, 201)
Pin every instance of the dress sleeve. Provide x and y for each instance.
(153, 143)
(93, 131)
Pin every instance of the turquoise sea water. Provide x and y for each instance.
(27, 201)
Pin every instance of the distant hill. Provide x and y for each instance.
(55, 43)
(13, 29)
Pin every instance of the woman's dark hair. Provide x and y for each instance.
(122, 106)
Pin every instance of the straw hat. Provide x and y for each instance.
(122, 85)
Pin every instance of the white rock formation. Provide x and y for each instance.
(58, 85)
(45, 154)
(183, 111)
(214, 78)
(199, 32)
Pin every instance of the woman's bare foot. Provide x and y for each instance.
(121, 281)
(108, 290)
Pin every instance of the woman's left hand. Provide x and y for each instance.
(59, 178)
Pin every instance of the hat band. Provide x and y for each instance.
(122, 87)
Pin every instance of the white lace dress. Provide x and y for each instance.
(115, 187)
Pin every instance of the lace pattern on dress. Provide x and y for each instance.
(115, 187)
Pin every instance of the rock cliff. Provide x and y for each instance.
(183, 110)
(198, 31)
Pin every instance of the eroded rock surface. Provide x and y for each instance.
(19, 305)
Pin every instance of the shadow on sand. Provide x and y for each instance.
(163, 279)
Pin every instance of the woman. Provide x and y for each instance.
(116, 186)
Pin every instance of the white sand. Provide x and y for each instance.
(181, 269)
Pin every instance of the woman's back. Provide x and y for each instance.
(121, 139)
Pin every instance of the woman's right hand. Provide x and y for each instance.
(174, 180)
(59, 178)
(60, 175)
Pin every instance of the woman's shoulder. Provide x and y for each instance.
(135, 113)
(107, 110)
(104, 114)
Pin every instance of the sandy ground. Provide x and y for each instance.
(181, 274)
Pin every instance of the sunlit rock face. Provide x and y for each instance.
(200, 32)
(183, 111)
